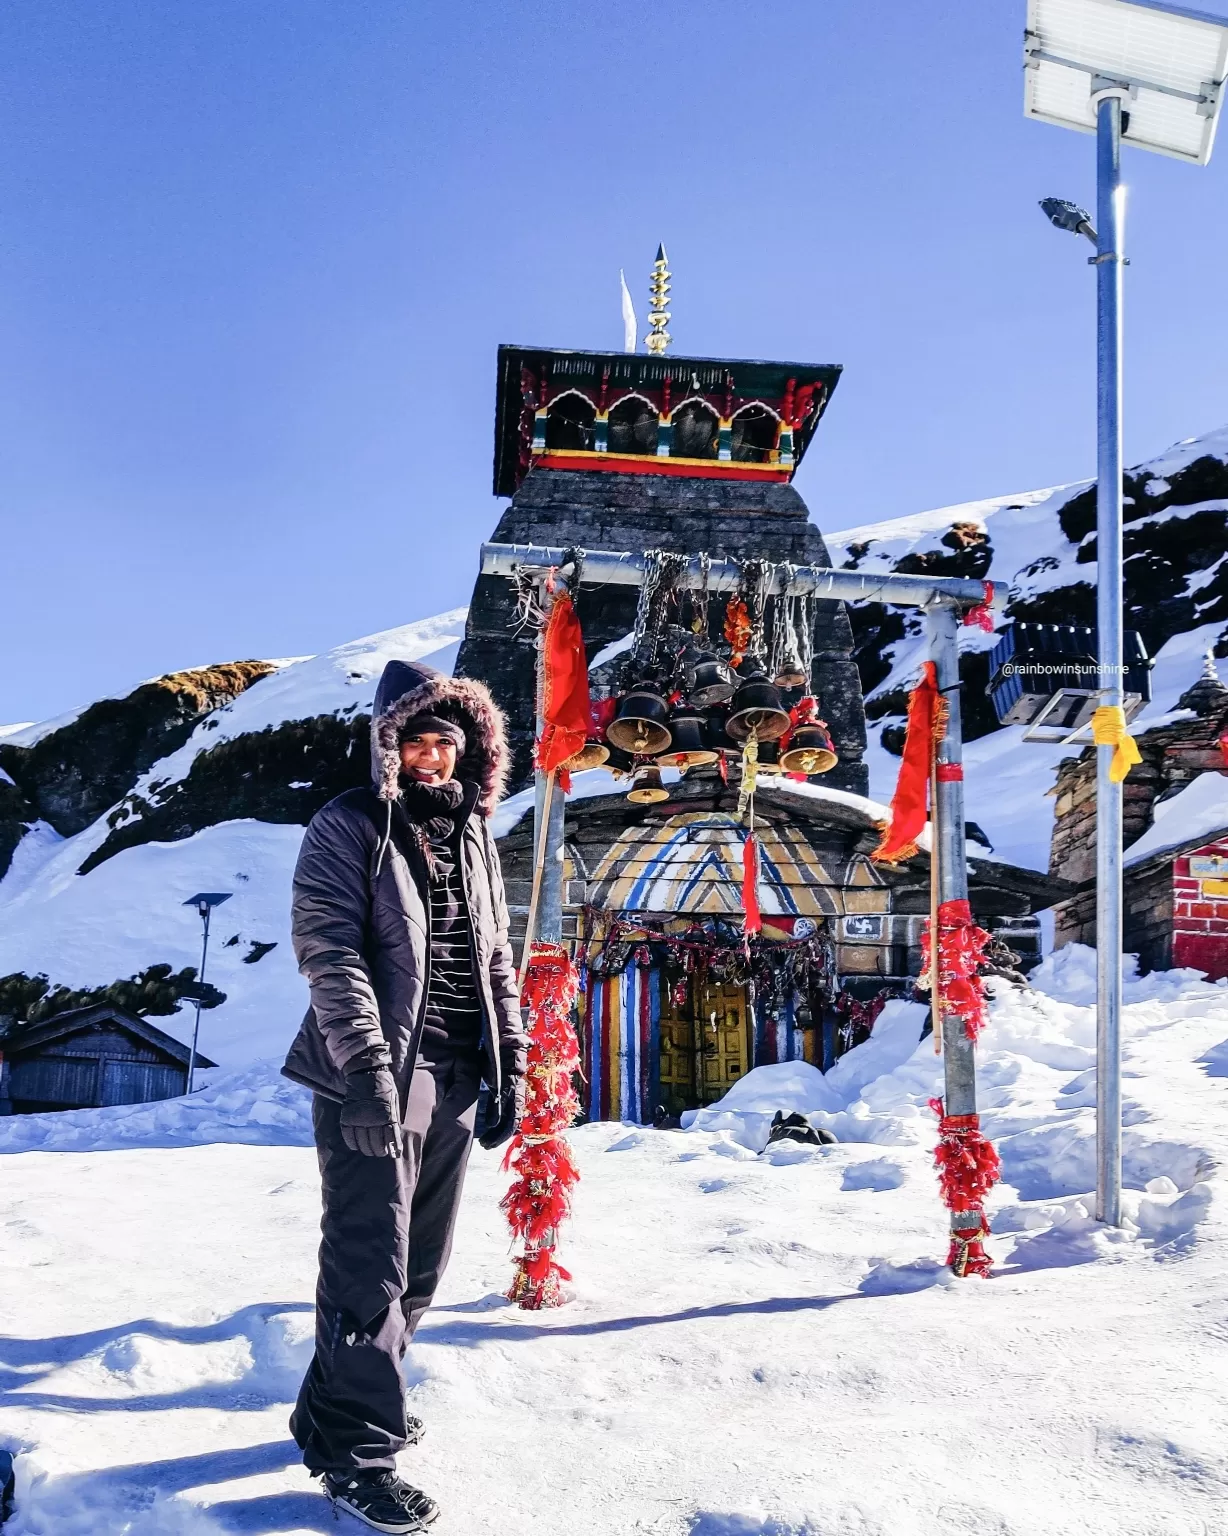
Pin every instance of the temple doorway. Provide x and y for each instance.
(706, 1043)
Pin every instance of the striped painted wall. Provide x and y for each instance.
(620, 1043)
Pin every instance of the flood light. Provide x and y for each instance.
(1068, 216)
(1171, 62)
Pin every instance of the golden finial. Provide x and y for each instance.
(658, 338)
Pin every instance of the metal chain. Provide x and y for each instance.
(784, 638)
(804, 630)
(662, 568)
(756, 577)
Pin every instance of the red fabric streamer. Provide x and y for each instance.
(737, 630)
(927, 717)
(539, 1155)
(960, 947)
(752, 921)
(968, 1168)
(980, 615)
(949, 773)
(1223, 747)
(566, 709)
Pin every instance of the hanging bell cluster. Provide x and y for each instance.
(683, 705)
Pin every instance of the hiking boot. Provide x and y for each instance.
(414, 1429)
(381, 1500)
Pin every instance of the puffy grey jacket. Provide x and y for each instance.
(361, 923)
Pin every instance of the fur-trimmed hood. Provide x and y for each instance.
(411, 688)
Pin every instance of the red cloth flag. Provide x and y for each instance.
(927, 714)
(753, 922)
(565, 702)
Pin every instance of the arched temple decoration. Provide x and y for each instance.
(633, 426)
(570, 423)
(754, 434)
(696, 430)
(693, 863)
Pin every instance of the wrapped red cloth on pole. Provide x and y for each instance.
(968, 1168)
(752, 921)
(539, 1155)
(981, 614)
(927, 713)
(566, 709)
(960, 947)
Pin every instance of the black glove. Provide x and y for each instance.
(371, 1113)
(505, 1115)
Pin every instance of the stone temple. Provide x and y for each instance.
(630, 451)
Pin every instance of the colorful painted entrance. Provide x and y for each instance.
(706, 1044)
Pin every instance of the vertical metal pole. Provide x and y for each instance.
(958, 1056)
(1108, 626)
(200, 981)
(549, 928)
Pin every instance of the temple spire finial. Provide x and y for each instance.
(658, 338)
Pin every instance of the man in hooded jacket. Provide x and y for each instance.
(401, 929)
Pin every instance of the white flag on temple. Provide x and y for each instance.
(629, 325)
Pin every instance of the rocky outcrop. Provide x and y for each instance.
(283, 774)
(1162, 554)
(72, 776)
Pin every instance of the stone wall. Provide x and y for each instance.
(594, 510)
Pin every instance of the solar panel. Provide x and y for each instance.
(1173, 60)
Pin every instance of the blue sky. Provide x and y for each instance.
(256, 257)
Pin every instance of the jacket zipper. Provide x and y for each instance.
(487, 1023)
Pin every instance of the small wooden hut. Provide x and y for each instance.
(88, 1058)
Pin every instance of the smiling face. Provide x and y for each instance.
(428, 758)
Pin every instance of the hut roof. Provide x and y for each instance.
(19, 1038)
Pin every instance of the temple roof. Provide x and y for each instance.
(532, 379)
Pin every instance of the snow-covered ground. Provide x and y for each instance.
(757, 1345)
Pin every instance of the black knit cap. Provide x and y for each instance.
(436, 725)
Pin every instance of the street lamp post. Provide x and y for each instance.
(1151, 75)
(204, 902)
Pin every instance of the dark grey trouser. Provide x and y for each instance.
(387, 1229)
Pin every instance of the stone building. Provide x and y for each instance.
(1169, 814)
(621, 451)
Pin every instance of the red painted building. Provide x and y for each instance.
(1200, 908)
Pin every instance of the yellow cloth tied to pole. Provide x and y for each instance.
(1109, 730)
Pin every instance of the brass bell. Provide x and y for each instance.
(641, 726)
(621, 764)
(591, 755)
(648, 788)
(768, 759)
(757, 706)
(712, 683)
(811, 750)
(688, 746)
(790, 673)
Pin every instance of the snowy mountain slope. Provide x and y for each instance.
(1041, 545)
(755, 1345)
(126, 912)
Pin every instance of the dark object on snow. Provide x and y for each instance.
(7, 1483)
(999, 959)
(662, 1120)
(89, 1058)
(259, 949)
(974, 834)
(383, 1501)
(795, 1127)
